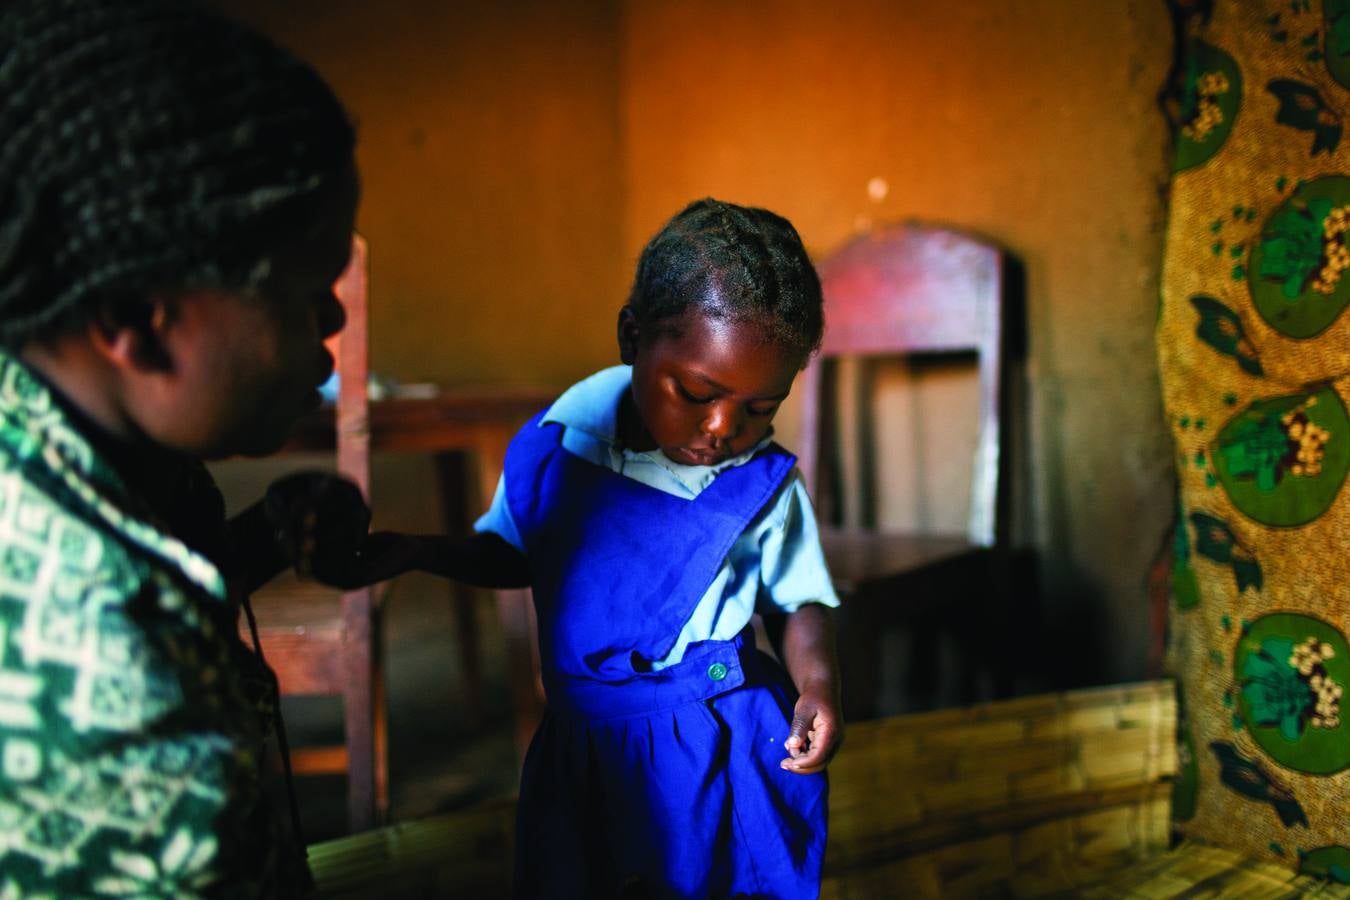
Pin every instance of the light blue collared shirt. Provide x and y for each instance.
(775, 566)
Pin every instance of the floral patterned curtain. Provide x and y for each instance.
(1254, 351)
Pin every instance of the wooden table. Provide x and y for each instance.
(480, 419)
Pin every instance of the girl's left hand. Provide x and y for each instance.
(816, 734)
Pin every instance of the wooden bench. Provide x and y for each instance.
(1026, 797)
(1055, 795)
(1195, 870)
(466, 853)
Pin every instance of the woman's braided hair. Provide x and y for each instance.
(731, 262)
(148, 145)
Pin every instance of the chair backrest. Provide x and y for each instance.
(915, 289)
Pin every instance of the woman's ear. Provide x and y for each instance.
(132, 334)
(629, 333)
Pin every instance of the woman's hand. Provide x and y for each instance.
(321, 524)
(318, 520)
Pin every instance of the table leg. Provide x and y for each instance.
(517, 618)
(457, 504)
(514, 609)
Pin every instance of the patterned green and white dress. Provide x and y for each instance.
(132, 718)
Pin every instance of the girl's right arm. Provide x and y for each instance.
(488, 558)
(483, 560)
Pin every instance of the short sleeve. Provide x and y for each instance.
(498, 520)
(792, 563)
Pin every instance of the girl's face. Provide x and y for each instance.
(704, 388)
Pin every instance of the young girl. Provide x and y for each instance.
(655, 515)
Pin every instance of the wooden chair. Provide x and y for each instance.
(321, 642)
(905, 290)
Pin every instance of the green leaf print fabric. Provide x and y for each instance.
(1254, 352)
(132, 718)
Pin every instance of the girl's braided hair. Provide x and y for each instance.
(148, 145)
(733, 262)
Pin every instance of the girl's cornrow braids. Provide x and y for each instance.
(774, 283)
(734, 261)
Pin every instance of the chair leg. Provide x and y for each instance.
(924, 676)
(380, 726)
(358, 710)
(1004, 632)
(859, 658)
(467, 639)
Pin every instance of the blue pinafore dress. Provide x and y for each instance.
(642, 782)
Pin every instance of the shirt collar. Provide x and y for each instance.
(592, 406)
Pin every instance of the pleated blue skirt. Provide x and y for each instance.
(656, 790)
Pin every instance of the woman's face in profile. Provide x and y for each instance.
(247, 366)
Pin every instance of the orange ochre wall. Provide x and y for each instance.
(516, 155)
(488, 144)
